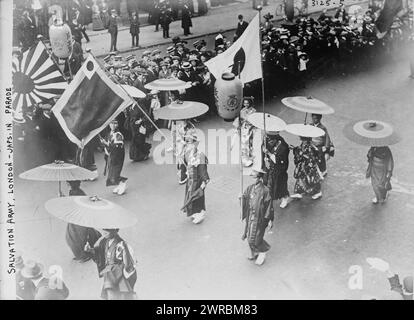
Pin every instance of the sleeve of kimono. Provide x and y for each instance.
(202, 169)
(124, 253)
(245, 202)
(390, 164)
(328, 142)
(268, 206)
(119, 138)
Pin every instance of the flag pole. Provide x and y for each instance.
(240, 154)
(259, 8)
(134, 102)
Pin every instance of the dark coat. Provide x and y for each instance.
(276, 177)
(134, 26)
(113, 25)
(240, 28)
(186, 17)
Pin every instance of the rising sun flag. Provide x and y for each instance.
(35, 78)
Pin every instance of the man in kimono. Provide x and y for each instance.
(115, 155)
(276, 161)
(324, 144)
(116, 265)
(258, 213)
(197, 179)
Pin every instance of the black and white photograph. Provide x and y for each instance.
(207, 150)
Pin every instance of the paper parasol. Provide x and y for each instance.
(308, 105)
(273, 123)
(181, 110)
(58, 171)
(91, 212)
(304, 130)
(133, 92)
(169, 84)
(371, 133)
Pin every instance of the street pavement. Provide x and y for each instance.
(219, 18)
(314, 243)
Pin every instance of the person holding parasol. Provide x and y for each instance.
(116, 265)
(306, 157)
(197, 180)
(379, 136)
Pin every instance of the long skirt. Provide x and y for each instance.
(115, 163)
(139, 149)
(255, 235)
(276, 180)
(115, 288)
(78, 236)
(379, 181)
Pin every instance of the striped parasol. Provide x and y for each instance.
(36, 78)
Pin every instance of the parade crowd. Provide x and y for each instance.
(291, 55)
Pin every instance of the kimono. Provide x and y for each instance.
(380, 167)
(115, 155)
(139, 149)
(247, 131)
(320, 143)
(307, 174)
(276, 176)
(85, 157)
(78, 236)
(197, 174)
(116, 265)
(257, 211)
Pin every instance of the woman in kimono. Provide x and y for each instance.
(307, 174)
(258, 213)
(114, 156)
(182, 127)
(116, 265)
(78, 236)
(197, 179)
(246, 130)
(380, 168)
(139, 150)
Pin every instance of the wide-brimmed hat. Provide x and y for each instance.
(156, 51)
(32, 270)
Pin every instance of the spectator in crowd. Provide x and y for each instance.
(186, 18)
(134, 29)
(113, 29)
(241, 26)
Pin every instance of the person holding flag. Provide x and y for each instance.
(258, 213)
(114, 156)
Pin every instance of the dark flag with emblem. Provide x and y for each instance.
(243, 55)
(90, 103)
(387, 14)
(36, 78)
